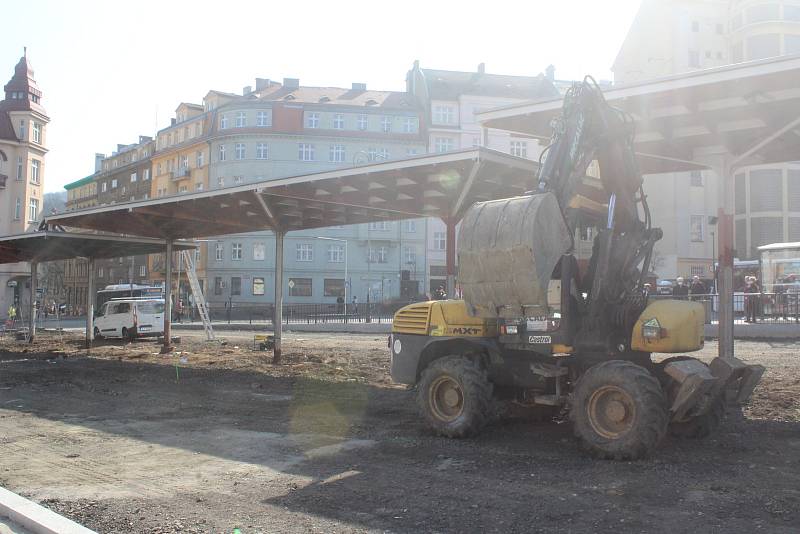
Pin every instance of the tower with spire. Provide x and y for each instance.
(23, 146)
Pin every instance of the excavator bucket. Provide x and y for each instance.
(507, 250)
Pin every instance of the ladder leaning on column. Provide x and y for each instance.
(197, 292)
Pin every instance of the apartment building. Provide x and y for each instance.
(23, 146)
(284, 129)
(450, 100)
(674, 36)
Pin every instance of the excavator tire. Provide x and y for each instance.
(619, 411)
(701, 426)
(454, 396)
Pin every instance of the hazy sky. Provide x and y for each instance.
(111, 71)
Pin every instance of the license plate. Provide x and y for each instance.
(539, 339)
(144, 328)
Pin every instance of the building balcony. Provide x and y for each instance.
(181, 173)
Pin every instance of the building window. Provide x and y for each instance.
(411, 152)
(300, 287)
(198, 186)
(133, 177)
(223, 122)
(336, 253)
(185, 162)
(444, 114)
(219, 251)
(22, 130)
(100, 272)
(439, 241)
(183, 189)
(221, 181)
(386, 124)
(218, 285)
(361, 122)
(114, 183)
(236, 251)
(258, 286)
(334, 287)
(697, 270)
(33, 210)
(312, 120)
(241, 119)
(262, 119)
(262, 151)
(337, 153)
(694, 59)
(409, 124)
(410, 255)
(382, 226)
(18, 210)
(383, 154)
(20, 168)
(338, 121)
(259, 251)
(238, 179)
(104, 187)
(519, 149)
(239, 149)
(142, 271)
(696, 178)
(410, 226)
(200, 159)
(306, 152)
(236, 285)
(304, 252)
(37, 132)
(696, 229)
(35, 165)
(443, 144)
(221, 153)
(378, 254)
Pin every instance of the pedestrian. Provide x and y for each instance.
(751, 290)
(355, 304)
(697, 288)
(681, 290)
(339, 304)
(647, 289)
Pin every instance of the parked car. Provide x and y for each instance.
(130, 318)
(664, 287)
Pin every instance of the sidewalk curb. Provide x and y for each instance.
(339, 328)
(35, 517)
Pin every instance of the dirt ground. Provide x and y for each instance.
(214, 437)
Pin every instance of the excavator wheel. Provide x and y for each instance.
(455, 396)
(700, 426)
(619, 411)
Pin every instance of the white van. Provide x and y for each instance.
(130, 318)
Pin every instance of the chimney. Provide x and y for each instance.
(172, 121)
(246, 90)
(98, 161)
(262, 83)
(291, 83)
(481, 68)
(550, 72)
(359, 87)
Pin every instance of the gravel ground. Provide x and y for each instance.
(214, 437)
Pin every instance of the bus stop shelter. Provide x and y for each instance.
(720, 119)
(440, 185)
(50, 245)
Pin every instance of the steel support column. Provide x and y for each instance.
(450, 255)
(277, 317)
(34, 281)
(167, 348)
(90, 303)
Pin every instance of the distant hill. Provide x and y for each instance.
(54, 201)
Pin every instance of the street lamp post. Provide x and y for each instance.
(345, 266)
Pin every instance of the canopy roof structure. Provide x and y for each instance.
(748, 111)
(50, 245)
(441, 185)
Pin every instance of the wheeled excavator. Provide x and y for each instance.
(537, 329)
